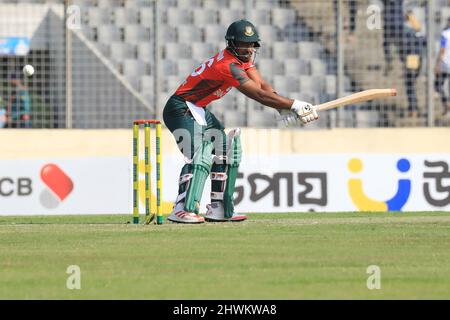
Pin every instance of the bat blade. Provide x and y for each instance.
(365, 95)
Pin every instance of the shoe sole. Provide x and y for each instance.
(186, 222)
(225, 220)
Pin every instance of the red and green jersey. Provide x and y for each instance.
(214, 78)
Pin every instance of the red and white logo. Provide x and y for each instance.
(59, 185)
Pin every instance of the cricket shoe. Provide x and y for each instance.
(215, 213)
(179, 215)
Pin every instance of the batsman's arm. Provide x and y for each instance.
(254, 74)
(254, 91)
(305, 111)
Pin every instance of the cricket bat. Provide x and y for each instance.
(365, 95)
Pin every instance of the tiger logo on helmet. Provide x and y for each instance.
(249, 31)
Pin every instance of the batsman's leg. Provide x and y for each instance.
(191, 186)
(223, 177)
(188, 134)
(201, 167)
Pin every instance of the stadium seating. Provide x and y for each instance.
(260, 17)
(285, 84)
(228, 16)
(120, 51)
(168, 3)
(265, 118)
(285, 50)
(108, 34)
(312, 83)
(189, 4)
(177, 50)
(330, 84)
(189, 34)
(135, 34)
(234, 118)
(169, 67)
(318, 67)
(146, 17)
(309, 49)
(125, 16)
(445, 15)
(235, 4)
(298, 56)
(147, 84)
(214, 33)
(264, 52)
(194, 30)
(203, 50)
(135, 3)
(168, 33)
(172, 83)
(296, 67)
(205, 16)
(227, 102)
(269, 4)
(269, 33)
(108, 3)
(214, 4)
(133, 68)
(282, 17)
(177, 16)
(269, 67)
(187, 66)
(146, 52)
(99, 16)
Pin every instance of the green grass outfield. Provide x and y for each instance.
(270, 256)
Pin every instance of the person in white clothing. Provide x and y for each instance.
(442, 68)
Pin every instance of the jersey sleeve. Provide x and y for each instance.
(234, 74)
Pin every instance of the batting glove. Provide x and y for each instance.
(305, 111)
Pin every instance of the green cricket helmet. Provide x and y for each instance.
(243, 31)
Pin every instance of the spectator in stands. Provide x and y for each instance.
(19, 104)
(392, 30)
(296, 31)
(207, 149)
(442, 68)
(3, 117)
(411, 55)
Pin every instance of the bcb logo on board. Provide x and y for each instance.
(20, 186)
(58, 186)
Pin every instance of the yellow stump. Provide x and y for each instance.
(148, 174)
(135, 173)
(159, 216)
(148, 171)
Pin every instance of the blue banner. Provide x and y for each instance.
(16, 46)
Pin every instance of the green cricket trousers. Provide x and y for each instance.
(189, 136)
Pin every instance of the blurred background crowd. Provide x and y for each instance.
(104, 63)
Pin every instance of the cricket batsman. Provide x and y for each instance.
(207, 149)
